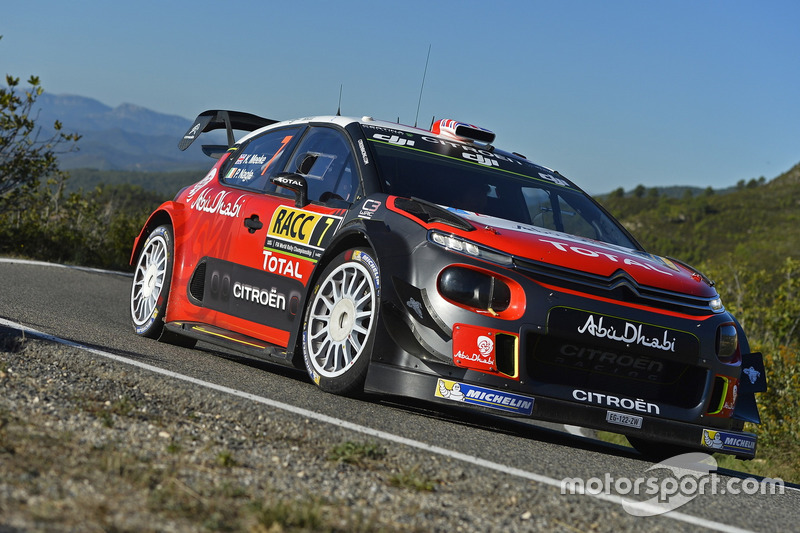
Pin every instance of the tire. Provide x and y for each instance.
(150, 288)
(340, 322)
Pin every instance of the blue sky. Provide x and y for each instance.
(610, 93)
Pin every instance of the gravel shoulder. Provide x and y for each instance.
(90, 444)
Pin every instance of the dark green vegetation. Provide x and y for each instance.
(748, 241)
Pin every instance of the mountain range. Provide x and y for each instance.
(126, 137)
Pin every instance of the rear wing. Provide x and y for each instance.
(217, 119)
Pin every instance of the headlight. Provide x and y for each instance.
(475, 289)
(716, 304)
(463, 246)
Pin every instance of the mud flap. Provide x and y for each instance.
(752, 381)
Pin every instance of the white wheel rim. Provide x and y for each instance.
(148, 280)
(341, 318)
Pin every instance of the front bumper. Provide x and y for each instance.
(392, 380)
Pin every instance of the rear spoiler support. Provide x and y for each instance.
(217, 119)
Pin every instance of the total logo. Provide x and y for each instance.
(614, 258)
(277, 263)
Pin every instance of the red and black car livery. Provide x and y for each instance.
(430, 264)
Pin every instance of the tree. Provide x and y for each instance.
(26, 157)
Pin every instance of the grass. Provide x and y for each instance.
(412, 478)
(356, 453)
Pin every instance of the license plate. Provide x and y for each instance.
(624, 419)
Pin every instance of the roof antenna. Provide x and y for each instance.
(423, 85)
(339, 111)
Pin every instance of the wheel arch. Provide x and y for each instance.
(158, 218)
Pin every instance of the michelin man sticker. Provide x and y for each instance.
(474, 395)
(752, 374)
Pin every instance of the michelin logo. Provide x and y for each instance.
(719, 440)
(494, 399)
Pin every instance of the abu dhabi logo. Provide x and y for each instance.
(671, 484)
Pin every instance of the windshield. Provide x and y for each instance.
(472, 179)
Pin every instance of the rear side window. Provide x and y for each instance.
(261, 158)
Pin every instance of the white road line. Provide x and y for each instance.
(471, 459)
(57, 265)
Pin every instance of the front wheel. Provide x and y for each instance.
(340, 323)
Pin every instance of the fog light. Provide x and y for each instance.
(727, 341)
(474, 289)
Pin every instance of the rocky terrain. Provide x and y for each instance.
(90, 444)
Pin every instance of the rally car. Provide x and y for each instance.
(430, 264)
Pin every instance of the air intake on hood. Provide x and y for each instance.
(429, 213)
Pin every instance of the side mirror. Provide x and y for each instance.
(295, 183)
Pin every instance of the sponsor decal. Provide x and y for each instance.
(143, 327)
(268, 298)
(550, 177)
(283, 265)
(604, 361)
(752, 374)
(620, 334)
(587, 252)
(192, 132)
(734, 442)
(474, 395)
(610, 363)
(393, 139)
(474, 348)
(239, 174)
(481, 159)
(610, 400)
(415, 306)
(358, 255)
(630, 334)
(369, 208)
(202, 183)
(363, 150)
(218, 204)
(303, 227)
(251, 159)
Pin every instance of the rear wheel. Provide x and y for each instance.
(150, 288)
(340, 323)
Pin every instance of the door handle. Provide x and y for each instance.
(253, 224)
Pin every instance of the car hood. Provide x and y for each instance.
(585, 255)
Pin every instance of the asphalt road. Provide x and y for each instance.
(90, 308)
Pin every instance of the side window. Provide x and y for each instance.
(261, 158)
(324, 158)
